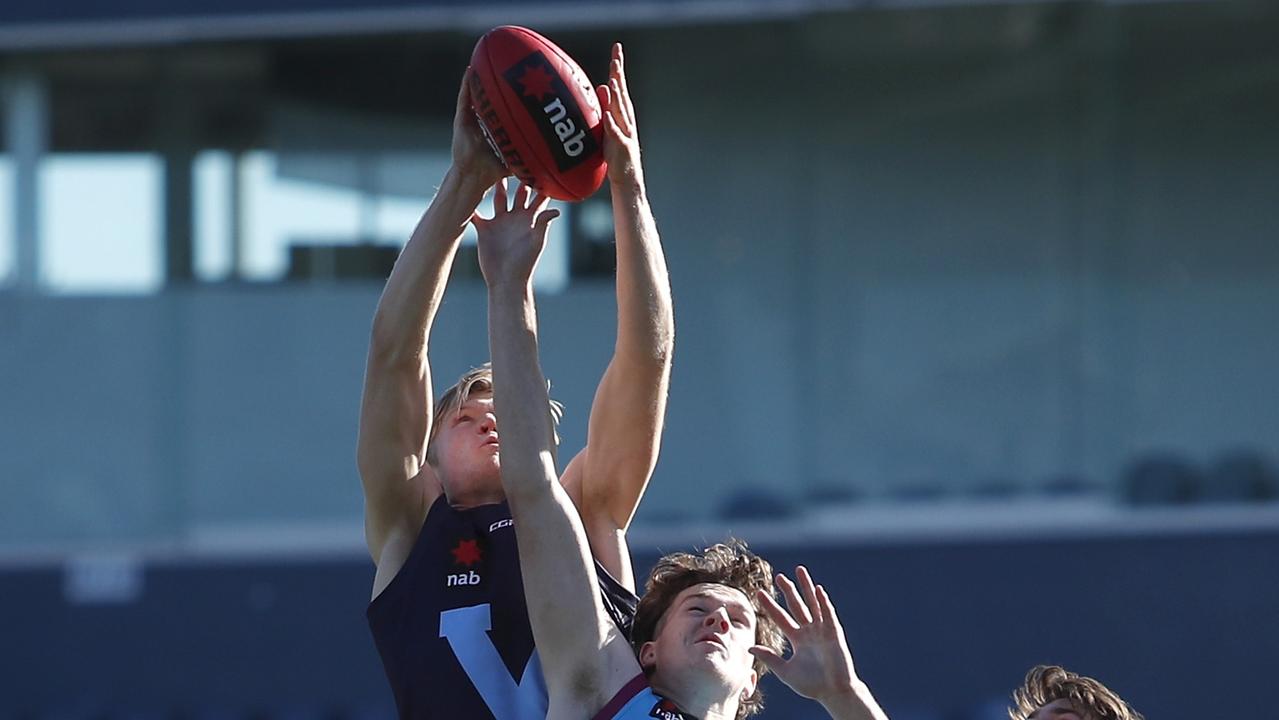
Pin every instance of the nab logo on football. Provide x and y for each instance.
(561, 123)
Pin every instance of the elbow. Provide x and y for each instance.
(661, 345)
(664, 347)
(657, 343)
(663, 328)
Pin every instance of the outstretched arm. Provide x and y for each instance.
(584, 657)
(395, 415)
(820, 666)
(625, 426)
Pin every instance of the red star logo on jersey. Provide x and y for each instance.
(536, 82)
(467, 552)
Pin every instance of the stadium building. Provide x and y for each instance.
(975, 307)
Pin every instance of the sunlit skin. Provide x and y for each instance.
(465, 453)
(1058, 710)
(702, 648)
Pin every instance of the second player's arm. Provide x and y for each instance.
(584, 657)
(624, 431)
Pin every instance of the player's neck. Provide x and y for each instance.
(707, 699)
(475, 496)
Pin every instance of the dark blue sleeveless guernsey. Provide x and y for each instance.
(452, 626)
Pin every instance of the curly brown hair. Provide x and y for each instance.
(730, 564)
(1047, 683)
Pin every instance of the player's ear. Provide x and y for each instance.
(750, 686)
(648, 656)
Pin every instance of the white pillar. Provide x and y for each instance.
(26, 114)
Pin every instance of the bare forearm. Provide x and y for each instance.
(645, 322)
(519, 392)
(581, 649)
(413, 291)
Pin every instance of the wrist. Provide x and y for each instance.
(510, 290)
(629, 184)
(467, 186)
(850, 703)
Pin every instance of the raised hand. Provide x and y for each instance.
(472, 155)
(621, 139)
(511, 242)
(820, 666)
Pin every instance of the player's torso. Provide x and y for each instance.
(452, 626)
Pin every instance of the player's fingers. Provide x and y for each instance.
(626, 89)
(769, 657)
(828, 610)
(464, 94)
(465, 117)
(810, 592)
(777, 613)
(612, 128)
(500, 204)
(542, 223)
(522, 195)
(615, 62)
(618, 108)
(601, 92)
(793, 603)
(540, 202)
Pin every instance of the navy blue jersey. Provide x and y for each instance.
(452, 626)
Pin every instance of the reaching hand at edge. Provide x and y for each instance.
(820, 666)
(472, 155)
(621, 137)
(511, 242)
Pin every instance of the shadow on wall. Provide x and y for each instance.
(1153, 479)
(1170, 478)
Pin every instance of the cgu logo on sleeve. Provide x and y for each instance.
(548, 101)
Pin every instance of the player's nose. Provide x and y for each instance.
(488, 423)
(717, 620)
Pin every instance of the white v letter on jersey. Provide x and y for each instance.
(467, 629)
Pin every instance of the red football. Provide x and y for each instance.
(539, 112)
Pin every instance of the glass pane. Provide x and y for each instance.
(408, 181)
(282, 211)
(213, 216)
(100, 223)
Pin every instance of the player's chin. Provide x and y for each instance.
(715, 663)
